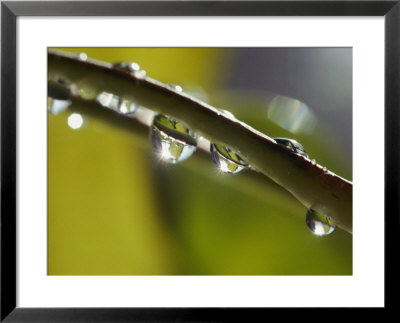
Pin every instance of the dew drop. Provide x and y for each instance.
(174, 87)
(226, 160)
(227, 113)
(319, 224)
(130, 67)
(127, 66)
(171, 140)
(83, 56)
(293, 145)
(127, 107)
(55, 106)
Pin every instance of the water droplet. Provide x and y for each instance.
(55, 106)
(293, 145)
(127, 107)
(83, 56)
(174, 87)
(76, 121)
(313, 162)
(130, 67)
(140, 74)
(171, 140)
(226, 160)
(319, 224)
(227, 113)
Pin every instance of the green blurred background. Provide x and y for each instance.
(115, 209)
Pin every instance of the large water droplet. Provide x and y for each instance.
(172, 141)
(293, 145)
(226, 160)
(319, 224)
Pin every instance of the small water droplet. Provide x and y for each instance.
(127, 66)
(76, 121)
(293, 145)
(130, 67)
(127, 107)
(227, 113)
(83, 56)
(226, 160)
(313, 162)
(55, 106)
(174, 87)
(140, 74)
(171, 140)
(319, 224)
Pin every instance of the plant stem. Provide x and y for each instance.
(313, 185)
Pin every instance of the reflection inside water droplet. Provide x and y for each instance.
(226, 160)
(319, 224)
(75, 121)
(293, 145)
(127, 107)
(171, 140)
(55, 106)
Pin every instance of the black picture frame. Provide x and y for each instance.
(11, 10)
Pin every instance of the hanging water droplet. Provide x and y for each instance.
(319, 224)
(55, 106)
(293, 145)
(226, 160)
(127, 107)
(171, 140)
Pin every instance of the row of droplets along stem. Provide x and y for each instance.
(173, 142)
